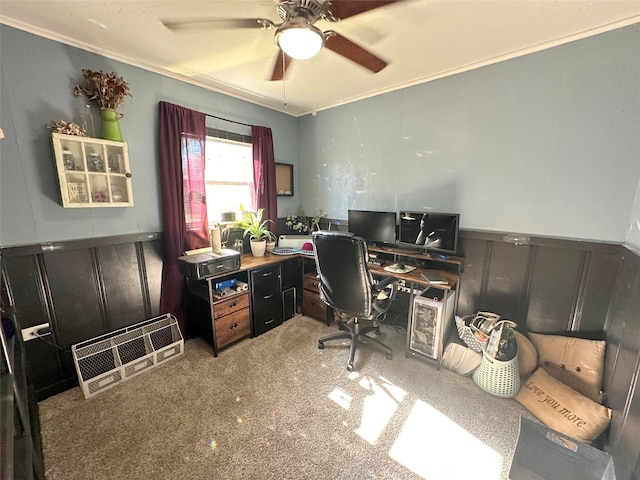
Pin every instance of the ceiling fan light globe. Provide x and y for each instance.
(300, 41)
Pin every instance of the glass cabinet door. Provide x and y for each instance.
(92, 172)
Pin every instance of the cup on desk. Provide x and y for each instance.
(216, 243)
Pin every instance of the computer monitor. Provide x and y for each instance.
(375, 227)
(429, 231)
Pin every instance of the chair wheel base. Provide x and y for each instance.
(350, 367)
(320, 345)
(389, 356)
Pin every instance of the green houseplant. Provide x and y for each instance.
(258, 231)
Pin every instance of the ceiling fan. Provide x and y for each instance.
(297, 36)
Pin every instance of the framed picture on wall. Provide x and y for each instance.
(284, 179)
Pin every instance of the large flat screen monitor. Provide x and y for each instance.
(429, 231)
(375, 227)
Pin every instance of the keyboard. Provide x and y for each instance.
(376, 261)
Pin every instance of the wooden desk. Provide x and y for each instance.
(240, 318)
(441, 299)
(415, 276)
(249, 262)
(451, 262)
(238, 315)
(430, 316)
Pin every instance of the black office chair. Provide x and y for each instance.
(347, 285)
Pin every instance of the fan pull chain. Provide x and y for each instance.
(314, 111)
(284, 80)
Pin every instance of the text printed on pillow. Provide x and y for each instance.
(553, 403)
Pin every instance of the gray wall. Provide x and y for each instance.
(37, 80)
(546, 144)
(633, 237)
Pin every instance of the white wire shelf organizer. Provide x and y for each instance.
(105, 361)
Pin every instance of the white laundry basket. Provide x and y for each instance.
(501, 379)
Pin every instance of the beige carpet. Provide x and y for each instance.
(277, 407)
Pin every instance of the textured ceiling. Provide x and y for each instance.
(421, 40)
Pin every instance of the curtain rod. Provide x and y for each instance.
(227, 120)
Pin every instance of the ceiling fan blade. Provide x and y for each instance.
(354, 52)
(212, 23)
(278, 71)
(340, 9)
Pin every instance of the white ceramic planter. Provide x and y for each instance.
(258, 247)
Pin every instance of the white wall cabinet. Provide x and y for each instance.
(92, 172)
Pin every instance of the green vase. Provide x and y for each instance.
(111, 125)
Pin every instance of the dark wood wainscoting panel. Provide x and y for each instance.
(151, 252)
(470, 298)
(622, 367)
(83, 289)
(24, 282)
(76, 295)
(506, 279)
(24, 279)
(123, 283)
(623, 398)
(77, 299)
(632, 432)
(599, 281)
(542, 284)
(553, 291)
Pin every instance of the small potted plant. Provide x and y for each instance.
(300, 223)
(258, 232)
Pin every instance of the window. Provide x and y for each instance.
(194, 204)
(228, 174)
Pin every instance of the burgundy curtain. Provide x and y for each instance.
(181, 152)
(264, 174)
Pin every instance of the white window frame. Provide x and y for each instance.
(246, 202)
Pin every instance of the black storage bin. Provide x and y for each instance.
(545, 454)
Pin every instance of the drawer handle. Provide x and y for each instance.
(231, 305)
(268, 296)
(266, 274)
(219, 266)
(314, 284)
(235, 325)
(269, 321)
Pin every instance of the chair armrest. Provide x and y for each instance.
(377, 287)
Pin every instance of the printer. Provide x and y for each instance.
(202, 265)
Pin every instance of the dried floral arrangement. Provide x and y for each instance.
(298, 222)
(301, 223)
(107, 90)
(67, 128)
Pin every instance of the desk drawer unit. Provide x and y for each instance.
(266, 299)
(231, 319)
(311, 283)
(233, 304)
(312, 306)
(232, 327)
